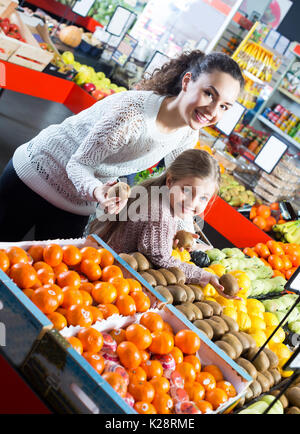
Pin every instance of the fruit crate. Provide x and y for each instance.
(28, 54)
(62, 377)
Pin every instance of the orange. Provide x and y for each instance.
(90, 269)
(204, 406)
(193, 360)
(271, 221)
(91, 254)
(163, 403)
(152, 321)
(62, 311)
(60, 268)
(187, 341)
(227, 387)
(263, 211)
(121, 285)
(129, 355)
(119, 335)
(117, 382)
(195, 391)
(207, 380)
(104, 292)
(160, 384)
(144, 408)
(215, 371)
(28, 292)
(262, 250)
(58, 320)
(291, 249)
(111, 271)
(274, 206)
(139, 335)
(86, 298)
(295, 259)
(45, 277)
(287, 263)
(253, 212)
(36, 252)
(216, 397)
(69, 278)
(167, 328)
(142, 301)
(45, 299)
(134, 285)
(177, 354)
(95, 360)
(16, 254)
(290, 272)
(41, 265)
(79, 316)
(153, 369)
(145, 355)
(23, 274)
(72, 297)
(76, 344)
(86, 286)
(162, 342)
(249, 252)
(53, 254)
(187, 371)
(260, 222)
(275, 248)
(137, 374)
(126, 305)
(96, 313)
(141, 391)
(276, 262)
(4, 261)
(106, 258)
(58, 291)
(108, 310)
(91, 339)
(71, 255)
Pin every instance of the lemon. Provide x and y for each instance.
(254, 304)
(281, 350)
(256, 324)
(210, 298)
(176, 254)
(285, 374)
(279, 336)
(185, 256)
(231, 312)
(259, 336)
(219, 269)
(256, 313)
(243, 294)
(240, 305)
(209, 291)
(270, 319)
(226, 302)
(243, 321)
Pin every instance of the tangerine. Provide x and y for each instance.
(207, 380)
(216, 397)
(145, 355)
(86, 286)
(36, 252)
(95, 360)
(16, 254)
(187, 341)
(227, 387)
(58, 291)
(260, 222)
(4, 261)
(126, 305)
(119, 335)
(139, 335)
(45, 277)
(96, 313)
(134, 285)
(276, 262)
(177, 355)
(45, 299)
(162, 342)
(53, 254)
(72, 297)
(204, 406)
(117, 382)
(76, 344)
(142, 391)
(71, 255)
(129, 355)
(195, 391)
(142, 301)
(187, 372)
(193, 360)
(106, 258)
(215, 371)
(91, 339)
(263, 211)
(144, 408)
(153, 368)
(152, 321)
(121, 285)
(108, 310)
(69, 278)
(60, 268)
(91, 254)
(163, 403)
(78, 315)
(104, 292)
(24, 275)
(90, 269)
(137, 374)
(111, 271)
(58, 320)
(86, 298)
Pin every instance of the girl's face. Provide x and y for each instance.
(204, 101)
(190, 195)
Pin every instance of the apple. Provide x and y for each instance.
(89, 87)
(98, 94)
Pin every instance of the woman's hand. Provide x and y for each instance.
(113, 205)
(214, 281)
(176, 241)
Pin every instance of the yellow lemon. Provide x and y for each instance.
(209, 290)
(242, 278)
(219, 269)
(240, 305)
(284, 373)
(231, 312)
(176, 254)
(244, 321)
(270, 319)
(243, 295)
(259, 336)
(257, 324)
(281, 350)
(226, 302)
(254, 304)
(279, 335)
(256, 313)
(210, 298)
(185, 256)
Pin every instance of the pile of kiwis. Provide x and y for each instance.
(291, 398)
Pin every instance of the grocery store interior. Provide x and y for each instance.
(100, 322)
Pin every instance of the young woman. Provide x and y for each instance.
(55, 181)
(190, 183)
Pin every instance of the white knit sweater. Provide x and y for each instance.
(115, 137)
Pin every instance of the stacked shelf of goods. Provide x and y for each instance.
(72, 384)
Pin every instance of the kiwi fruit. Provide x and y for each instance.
(185, 239)
(169, 276)
(249, 394)
(270, 377)
(149, 278)
(243, 340)
(241, 402)
(162, 290)
(293, 396)
(252, 343)
(179, 274)
(187, 311)
(217, 308)
(206, 309)
(234, 342)
(204, 327)
(245, 364)
(158, 276)
(189, 292)
(197, 311)
(264, 382)
(219, 320)
(120, 189)
(130, 260)
(261, 362)
(218, 329)
(228, 349)
(276, 375)
(179, 294)
(256, 388)
(199, 296)
(283, 399)
(230, 284)
(143, 263)
(232, 324)
(293, 410)
(273, 358)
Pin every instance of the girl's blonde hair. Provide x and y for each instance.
(190, 163)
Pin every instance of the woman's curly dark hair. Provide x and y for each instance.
(168, 79)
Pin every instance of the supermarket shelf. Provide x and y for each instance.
(278, 131)
(289, 95)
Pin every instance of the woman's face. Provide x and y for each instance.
(204, 101)
(190, 195)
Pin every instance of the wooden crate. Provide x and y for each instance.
(7, 7)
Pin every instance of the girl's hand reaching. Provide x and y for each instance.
(176, 241)
(214, 281)
(113, 205)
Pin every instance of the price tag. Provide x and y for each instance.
(124, 50)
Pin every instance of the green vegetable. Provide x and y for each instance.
(294, 326)
(233, 252)
(215, 255)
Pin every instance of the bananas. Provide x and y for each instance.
(257, 60)
(290, 231)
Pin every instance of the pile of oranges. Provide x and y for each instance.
(71, 285)
(154, 369)
(283, 258)
(261, 216)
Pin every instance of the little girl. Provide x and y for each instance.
(190, 181)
